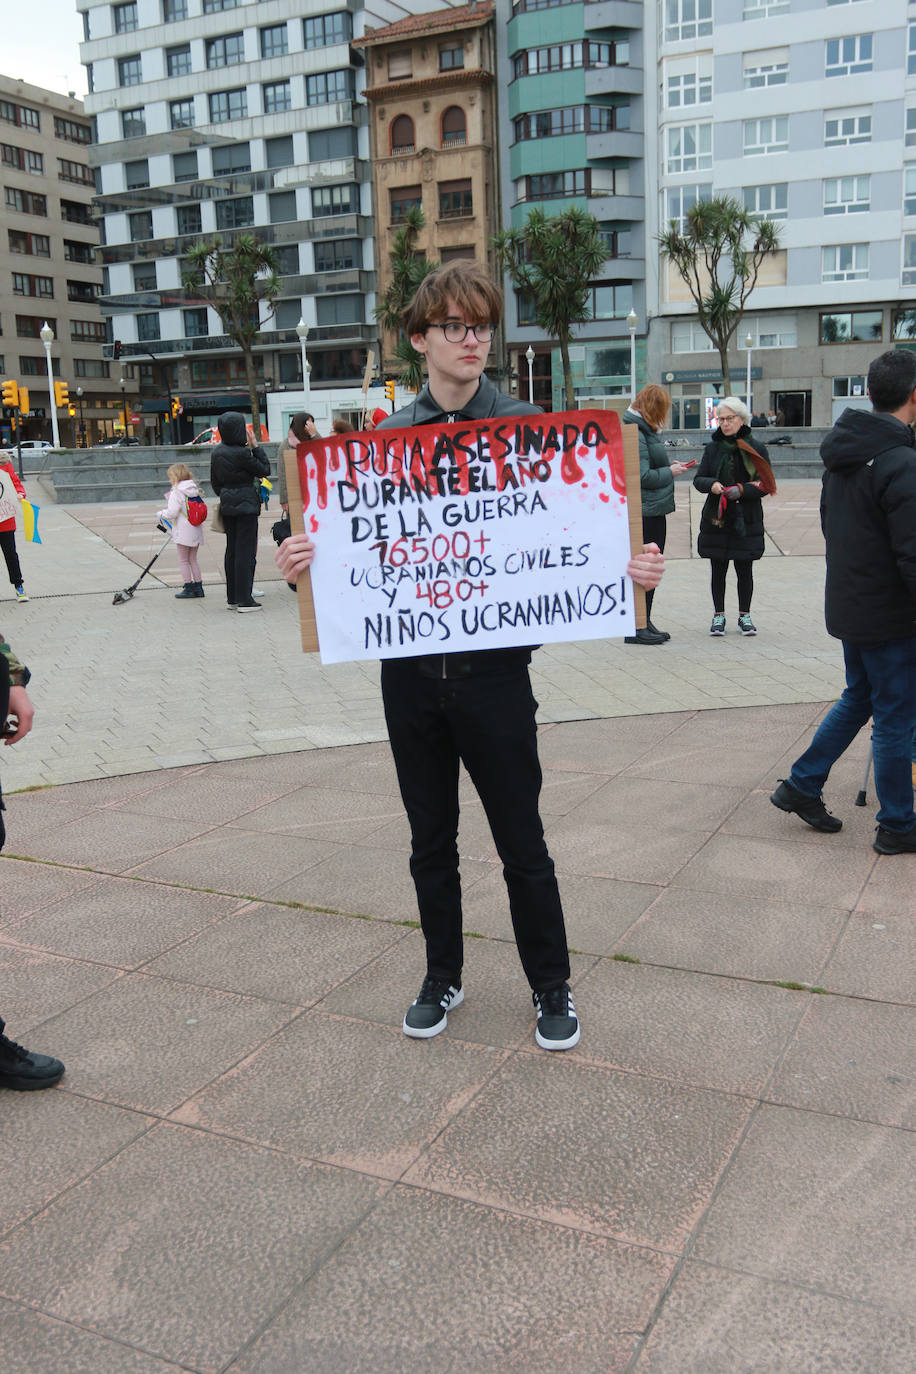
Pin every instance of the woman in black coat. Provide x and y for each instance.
(735, 474)
(235, 466)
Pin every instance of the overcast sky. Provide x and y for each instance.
(41, 44)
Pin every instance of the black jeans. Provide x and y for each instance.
(654, 531)
(8, 544)
(241, 556)
(487, 722)
(744, 574)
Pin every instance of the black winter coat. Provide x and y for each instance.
(739, 536)
(868, 515)
(234, 468)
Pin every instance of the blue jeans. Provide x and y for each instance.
(880, 684)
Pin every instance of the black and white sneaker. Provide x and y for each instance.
(558, 1025)
(427, 1016)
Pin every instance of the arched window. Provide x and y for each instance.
(454, 126)
(402, 135)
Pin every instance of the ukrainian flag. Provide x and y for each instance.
(30, 522)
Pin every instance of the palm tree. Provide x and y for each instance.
(555, 260)
(408, 268)
(234, 280)
(718, 254)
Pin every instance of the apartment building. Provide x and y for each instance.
(218, 118)
(803, 110)
(48, 270)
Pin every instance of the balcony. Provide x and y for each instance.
(613, 81)
(612, 14)
(615, 143)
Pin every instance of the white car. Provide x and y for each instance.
(40, 446)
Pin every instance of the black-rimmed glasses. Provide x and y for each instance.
(456, 332)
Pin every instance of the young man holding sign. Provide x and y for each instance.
(473, 707)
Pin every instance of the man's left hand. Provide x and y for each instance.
(647, 567)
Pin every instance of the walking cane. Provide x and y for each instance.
(860, 799)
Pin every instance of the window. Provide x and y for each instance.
(178, 60)
(71, 131)
(689, 148)
(849, 55)
(75, 213)
(287, 259)
(91, 367)
(78, 252)
(572, 119)
(282, 206)
(23, 116)
(217, 6)
(338, 255)
(184, 166)
(327, 29)
(279, 151)
(187, 219)
(856, 326)
(136, 174)
(141, 225)
(460, 254)
(908, 272)
(83, 291)
(553, 185)
(909, 190)
(766, 135)
(844, 262)
(401, 136)
(680, 199)
(133, 123)
(30, 326)
(129, 70)
(23, 159)
(454, 127)
(328, 86)
(28, 202)
(231, 157)
(235, 214)
(36, 367)
(37, 245)
(125, 18)
(88, 331)
(690, 86)
(402, 199)
(273, 41)
(687, 19)
(903, 324)
(455, 199)
(772, 200)
(400, 65)
(769, 68)
(847, 195)
(225, 105)
(147, 327)
(181, 113)
(75, 171)
(910, 128)
(195, 323)
(326, 144)
(335, 200)
(144, 274)
(287, 314)
(276, 97)
(842, 127)
(560, 57)
(611, 301)
(225, 51)
(340, 310)
(451, 57)
(911, 50)
(848, 386)
(173, 10)
(24, 284)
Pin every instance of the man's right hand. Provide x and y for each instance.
(294, 555)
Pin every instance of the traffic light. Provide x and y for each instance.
(389, 391)
(61, 394)
(71, 410)
(24, 403)
(116, 350)
(176, 406)
(11, 394)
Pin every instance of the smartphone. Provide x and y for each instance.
(691, 464)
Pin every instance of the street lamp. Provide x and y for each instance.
(302, 330)
(749, 344)
(632, 325)
(529, 359)
(79, 398)
(46, 334)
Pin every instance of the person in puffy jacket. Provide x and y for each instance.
(236, 464)
(186, 537)
(10, 489)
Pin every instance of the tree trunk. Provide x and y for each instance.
(567, 375)
(726, 374)
(253, 395)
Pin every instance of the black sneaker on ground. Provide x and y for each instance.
(426, 1016)
(646, 636)
(895, 841)
(24, 1071)
(811, 809)
(558, 1025)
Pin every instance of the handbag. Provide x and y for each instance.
(281, 529)
(216, 519)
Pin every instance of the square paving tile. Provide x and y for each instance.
(584, 1146)
(716, 1322)
(613, 847)
(149, 1042)
(236, 861)
(604, 746)
(38, 985)
(854, 1058)
(274, 952)
(114, 840)
(823, 1202)
(876, 957)
(198, 795)
(716, 1032)
(183, 1244)
(345, 1092)
(324, 813)
(26, 887)
(395, 1297)
(35, 1344)
(891, 884)
(745, 867)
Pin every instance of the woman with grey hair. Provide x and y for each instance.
(735, 474)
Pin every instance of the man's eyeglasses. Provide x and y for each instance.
(456, 332)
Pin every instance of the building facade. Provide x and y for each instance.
(48, 268)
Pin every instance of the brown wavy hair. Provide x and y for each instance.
(464, 282)
(653, 404)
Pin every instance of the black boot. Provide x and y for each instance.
(646, 636)
(23, 1070)
(198, 588)
(186, 593)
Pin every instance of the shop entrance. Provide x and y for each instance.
(795, 407)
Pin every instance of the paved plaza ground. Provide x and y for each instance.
(205, 910)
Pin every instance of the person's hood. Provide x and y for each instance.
(188, 487)
(861, 435)
(232, 429)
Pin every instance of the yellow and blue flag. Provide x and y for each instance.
(30, 522)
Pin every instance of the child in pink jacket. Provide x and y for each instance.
(186, 537)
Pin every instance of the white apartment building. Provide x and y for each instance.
(804, 110)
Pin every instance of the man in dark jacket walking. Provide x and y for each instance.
(235, 466)
(868, 515)
(474, 708)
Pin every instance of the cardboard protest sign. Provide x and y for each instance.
(464, 536)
